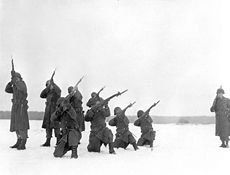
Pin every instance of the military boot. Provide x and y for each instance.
(17, 143)
(135, 146)
(58, 139)
(226, 144)
(111, 149)
(22, 145)
(74, 152)
(223, 144)
(47, 143)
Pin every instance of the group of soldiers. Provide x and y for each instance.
(65, 116)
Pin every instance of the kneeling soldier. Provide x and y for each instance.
(70, 125)
(148, 134)
(145, 122)
(99, 134)
(123, 136)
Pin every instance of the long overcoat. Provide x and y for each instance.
(51, 95)
(221, 107)
(19, 115)
(76, 103)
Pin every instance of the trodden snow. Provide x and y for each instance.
(178, 149)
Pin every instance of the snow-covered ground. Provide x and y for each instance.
(178, 149)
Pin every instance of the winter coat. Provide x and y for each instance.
(76, 103)
(19, 115)
(70, 125)
(221, 107)
(51, 99)
(122, 124)
(98, 124)
(145, 124)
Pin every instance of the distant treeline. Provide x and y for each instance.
(35, 115)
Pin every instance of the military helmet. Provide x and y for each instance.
(220, 90)
(93, 94)
(140, 113)
(47, 82)
(16, 74)
(70, 89)
(116, 110)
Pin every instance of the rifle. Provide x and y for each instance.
(75, 88)
(129, 106)
(148, 110)
(12, 65)
(104, 102)
(100, 91)
(52, 77)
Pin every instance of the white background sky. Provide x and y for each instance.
(173, 50)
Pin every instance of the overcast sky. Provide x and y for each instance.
(176, 51)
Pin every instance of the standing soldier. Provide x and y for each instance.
(144, 121)
(70, 125)
(123, 136)
(76, 102)
(19, 122)
(52, 93)
(221, 106)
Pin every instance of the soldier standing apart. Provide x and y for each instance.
(123, 136)
(76, 102)
(221, 107)
(148, 134)
(19, 122)
(71, 128)
(52, 93)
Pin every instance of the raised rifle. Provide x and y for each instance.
(100, 91)
(129, 106)
(52, 77)
(104, 102)
(75, 88)
(12, 65)
(67, 98)
(148, 110)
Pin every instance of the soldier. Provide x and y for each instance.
(221, 107)
(52, 93)
(19, 122)
(99, 134)
(76, 102)
(123, 136)
(71, 129)
(148, 134)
